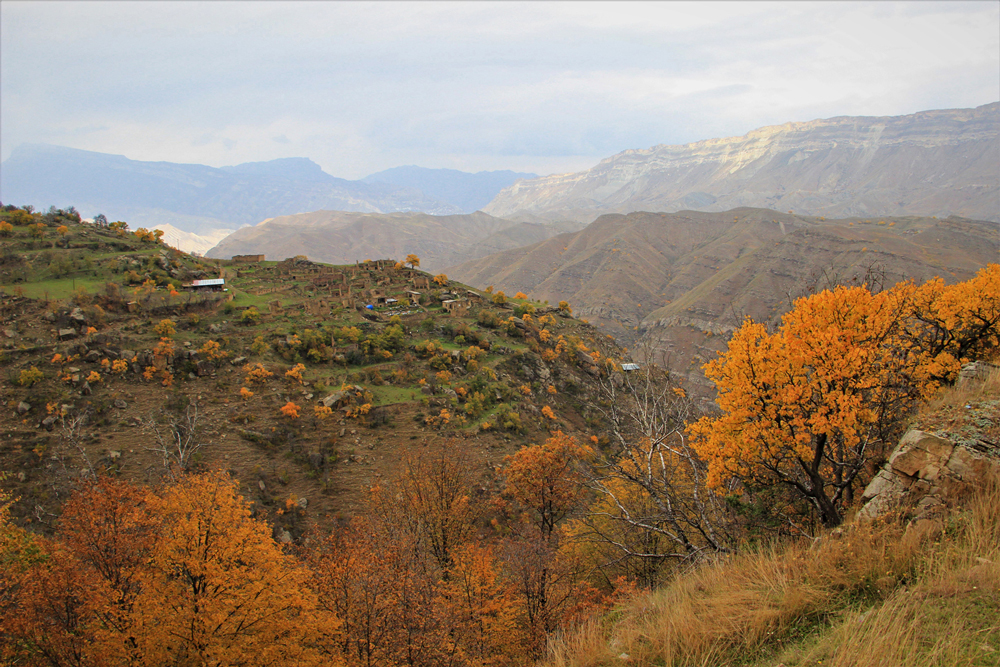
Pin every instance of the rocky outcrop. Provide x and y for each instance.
(929, 163)
(927, 472)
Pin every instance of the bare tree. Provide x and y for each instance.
(652, 503)
(71, 430)
(175, 438)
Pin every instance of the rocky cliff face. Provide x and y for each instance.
(929, 163)
(930, 470)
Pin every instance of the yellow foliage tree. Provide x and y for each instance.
(813, 405)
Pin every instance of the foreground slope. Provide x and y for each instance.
(916, 584)
(929, 163)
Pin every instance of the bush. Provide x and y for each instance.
(30, 376)
(250, 317)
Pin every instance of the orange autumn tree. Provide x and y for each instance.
(218, 589)
(950, 324)
(542, 479)
(811, 406)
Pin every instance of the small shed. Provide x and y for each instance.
(209, 285)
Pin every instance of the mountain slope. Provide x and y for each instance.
(188, 196)
(929, 163)
(342, 238)
(469, 192)
(679, 282)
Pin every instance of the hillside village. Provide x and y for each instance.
(374, 356)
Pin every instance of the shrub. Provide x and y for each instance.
(250, 316)
(30, 376)
(212, 351)
(257, 374)
(296, 373)
(245, 394)
(165, 328)
(290, 410)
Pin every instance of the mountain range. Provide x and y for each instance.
(678, 283)
(942, 163)
(198, 199)
(340, 237)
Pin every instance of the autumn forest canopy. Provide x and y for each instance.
(451, 566)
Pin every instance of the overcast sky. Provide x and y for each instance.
(547, 87)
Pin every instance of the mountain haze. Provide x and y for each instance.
(191, 197)
(939, 163)
(470, 192)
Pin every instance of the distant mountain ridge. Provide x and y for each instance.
(939, 163)
(191, 197)
(470, 192)
(340, 237)
(198, 199)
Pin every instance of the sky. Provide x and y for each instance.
(544, 87)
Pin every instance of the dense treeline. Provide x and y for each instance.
(442, 572)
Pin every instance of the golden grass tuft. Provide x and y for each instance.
(881, 593)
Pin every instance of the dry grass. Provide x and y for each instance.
(885, 593)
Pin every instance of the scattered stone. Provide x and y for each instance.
(303, 503)
(85, 389)
(49, 317)
(120, 404)
(21, 477)
(93, 356)
(238, 361)
(9, 333)
(49, 422)
(214, 328)
(285, 537)
(66, 334)
(128, 355)
(260, 483)
(77, 316)
(114, 454)
(23, 408)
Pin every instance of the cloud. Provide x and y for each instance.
(361, 87)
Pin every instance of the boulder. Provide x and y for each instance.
(927, 471)
(66, 334)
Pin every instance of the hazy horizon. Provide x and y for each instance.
(530, 87)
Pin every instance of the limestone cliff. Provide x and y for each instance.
(929, 163)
